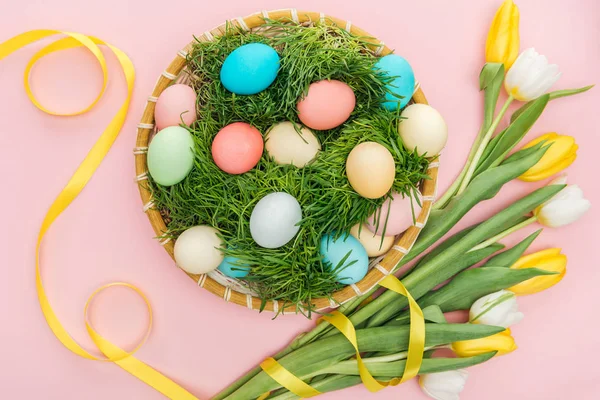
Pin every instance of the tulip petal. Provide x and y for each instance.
(550, 171)
(548, 136)
(501, 342)
(531, 260)
(553, 263)
(562, 211)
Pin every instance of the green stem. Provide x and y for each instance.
(482, 146)
(443, 201)
(504, 234)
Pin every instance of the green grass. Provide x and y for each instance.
(294, 273)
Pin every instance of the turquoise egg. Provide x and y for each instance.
(171, 155)
(355, 265)
(403, 84)
(232, 267)
(250, 68)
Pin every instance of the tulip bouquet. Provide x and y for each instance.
(324, 359)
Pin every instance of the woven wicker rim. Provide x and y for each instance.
(146, 128)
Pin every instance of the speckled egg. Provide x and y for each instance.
(288, 146)
(198, 250)
(371, 169)
(250, 68)
(326, 105)
(175, 105)
(423, 129)
(403, 84)
(399, 215)
(275, 220)
(375, 245)
(171, 155)
(356, 264)
(237, 148)
(233, 268)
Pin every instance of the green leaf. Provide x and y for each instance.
(553, 95)
(512, 135)
(483, 187)
(444, 245)
(432, 313)
(443, 267)
(510, 256)
(470, 285)
(489, 73)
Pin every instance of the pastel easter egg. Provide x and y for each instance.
(233, 268)
(250, 68)
(374, 244)
(288, 146)
(356, 264)
(275, 220)
(171, 155)
(422, 128)
(198, 250)
(237, 148)
(371, 170)
(403, 83)
(175, 105)
(326, 105)
(398, 213)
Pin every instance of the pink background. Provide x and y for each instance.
(198, 339)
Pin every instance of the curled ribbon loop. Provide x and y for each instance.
(416, 344)
(74, 186)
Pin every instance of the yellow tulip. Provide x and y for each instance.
(561, 154)
(548, 260)
(501, 342)
(502, 45)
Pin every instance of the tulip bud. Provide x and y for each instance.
(565, 207)
(530, 76)
(501, 342)
(499, 308)
(502, 44)
(444, 385)
(561, 153)
(548, 260)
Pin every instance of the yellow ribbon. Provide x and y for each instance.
(288, 380)
(416, 348)
(74, 186)
(416, 342)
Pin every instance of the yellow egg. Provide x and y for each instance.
(287, 146)
(371, 170)
(371, 242)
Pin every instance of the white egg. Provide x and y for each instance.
(197, 250)
(423, 128)
(275, 220)
(287, 146)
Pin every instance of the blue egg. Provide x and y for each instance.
(250, 68)
(232, 267)
(403, 84)
(355, 265)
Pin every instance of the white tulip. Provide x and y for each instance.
(444, 385)
(565, 207)
(530, 76)
(499, 309)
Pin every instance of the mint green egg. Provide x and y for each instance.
(171, 155)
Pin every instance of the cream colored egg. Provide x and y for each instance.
(197, 250)
(371, 242)
(371, 170)
(288, 146)
(423, 128)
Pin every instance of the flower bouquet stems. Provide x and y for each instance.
(323, 356)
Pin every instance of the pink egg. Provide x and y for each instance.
(326, 105)
(237, 148)
(177, 102)
(400, 216)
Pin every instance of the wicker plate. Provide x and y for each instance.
(230, 289)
